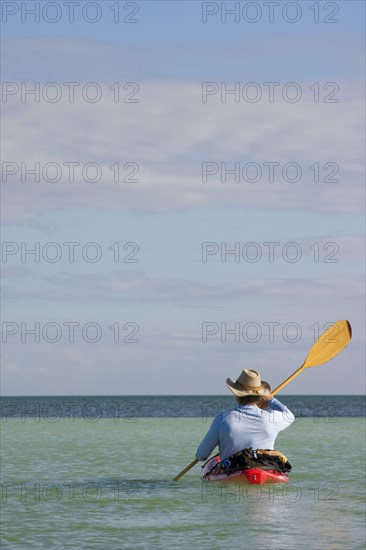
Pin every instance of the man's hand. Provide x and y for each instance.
(264, 401)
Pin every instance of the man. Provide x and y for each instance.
(254, 423)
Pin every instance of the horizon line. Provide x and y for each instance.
(182, 395)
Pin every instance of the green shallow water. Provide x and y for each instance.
(107, 484)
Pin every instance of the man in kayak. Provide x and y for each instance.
(253, 424)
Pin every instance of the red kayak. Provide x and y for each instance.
(253, 476)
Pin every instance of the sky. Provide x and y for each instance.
(182, 194)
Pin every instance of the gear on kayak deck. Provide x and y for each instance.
(264, 459)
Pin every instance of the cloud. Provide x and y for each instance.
(71, 59)
(16, 272)
(168, 135)
(137, 287)
(168, 365)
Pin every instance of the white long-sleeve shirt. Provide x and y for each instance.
(245, 426)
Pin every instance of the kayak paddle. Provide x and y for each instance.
(328, 345)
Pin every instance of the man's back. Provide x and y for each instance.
(245, 426)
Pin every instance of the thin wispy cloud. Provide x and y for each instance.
(136, 286)
(169, 134)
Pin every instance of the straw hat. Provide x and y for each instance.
(248, 383)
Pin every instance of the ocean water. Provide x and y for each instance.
(99, 406)
(105, 482)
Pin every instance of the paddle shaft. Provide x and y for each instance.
(285, 382)
(181, 474)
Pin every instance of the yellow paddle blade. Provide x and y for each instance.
(329, 344)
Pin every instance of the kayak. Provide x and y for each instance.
(252, 476)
